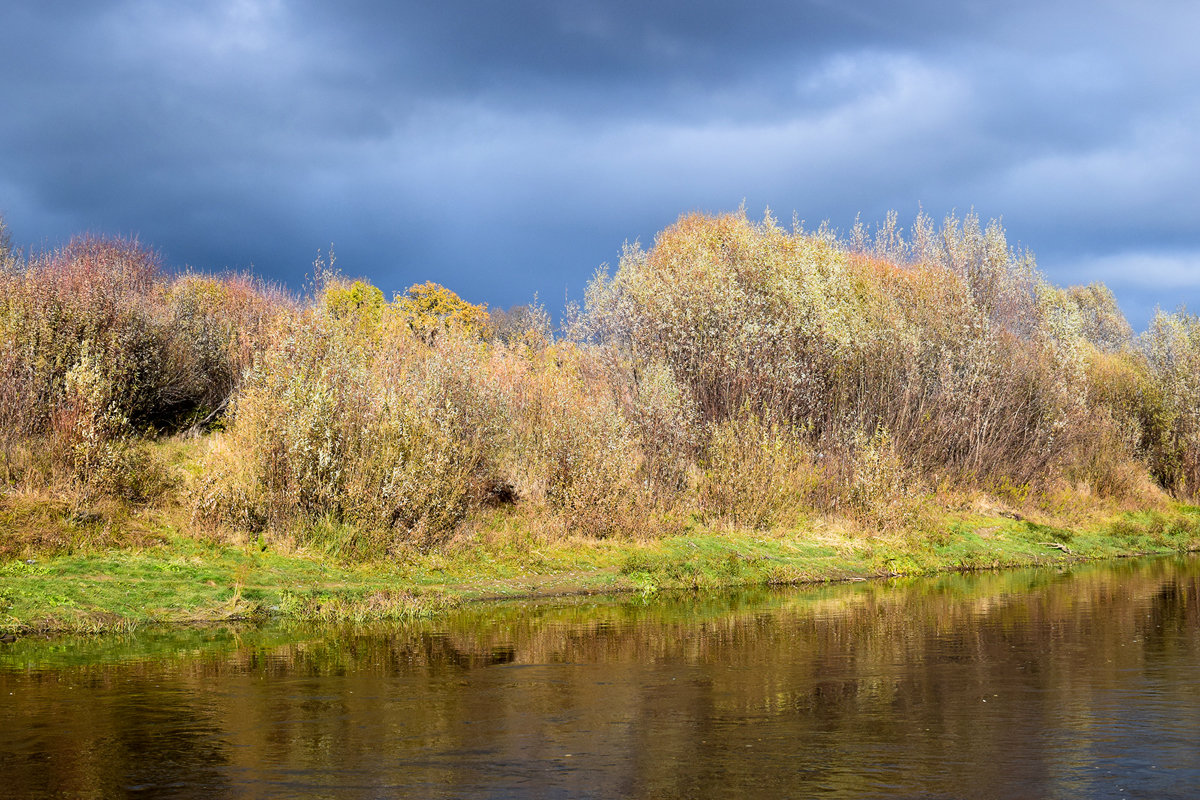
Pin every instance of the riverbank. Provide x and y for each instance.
(920, 667)
(171, 577)
(740, 404)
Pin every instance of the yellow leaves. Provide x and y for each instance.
(431, 309)
(358, 305)
(195, 293)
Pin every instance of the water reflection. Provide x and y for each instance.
(1036, 683)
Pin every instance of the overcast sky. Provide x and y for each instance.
(507, 148)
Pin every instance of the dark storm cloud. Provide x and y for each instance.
(507, 148)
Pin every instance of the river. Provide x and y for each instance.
(1071, 683)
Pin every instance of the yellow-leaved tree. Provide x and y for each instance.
(431, 309)
(356, 304)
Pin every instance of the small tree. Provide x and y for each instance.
(431, 308)
(358, 305)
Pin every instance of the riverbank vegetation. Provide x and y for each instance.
(734, 377)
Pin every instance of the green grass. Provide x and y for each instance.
(179, 579)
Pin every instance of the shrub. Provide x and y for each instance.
(664, 423)
(1172, 347)
(87, 354)
(520, 325)
(1101, 322)
(97, 345)
(431, 309)
(8, 256)
(94, 295)
(756, 473)
(220, 324)
(570, 445)
(738, 312)
(960, 356)
(739, 369)
(375, 428)
(1117, 433)
(880, 490)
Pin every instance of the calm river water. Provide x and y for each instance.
(1041, 683)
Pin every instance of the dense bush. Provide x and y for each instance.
(569, 445)
(1172, 346)
(98, 344)
(220, 324)
(756, 473)
(958, 357)
(735, 371)
(399, 418)
(350, 415)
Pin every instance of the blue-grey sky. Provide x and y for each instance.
(510, 148)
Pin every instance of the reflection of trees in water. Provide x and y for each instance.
(988, 679)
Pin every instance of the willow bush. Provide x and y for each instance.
(735, 371)
(347, 415)
(946, 348)
(99, 346)
(757, 474)
(1172, 346)
(402, 419)
(570, 446)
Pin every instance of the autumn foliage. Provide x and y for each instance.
(737, 372)
(99, 347)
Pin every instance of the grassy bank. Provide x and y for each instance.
(171, 576)
(739, 403)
